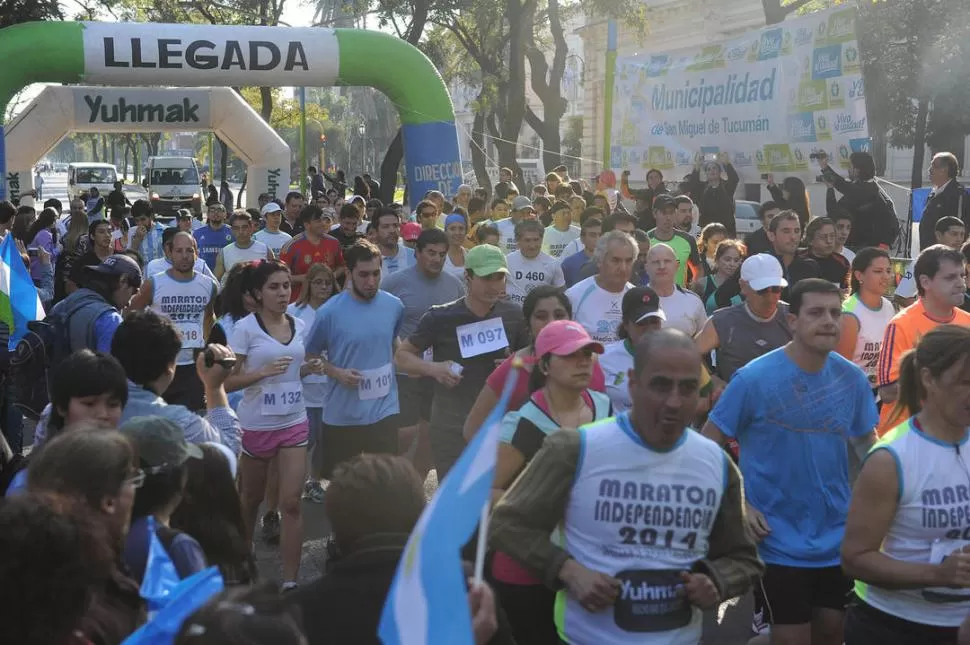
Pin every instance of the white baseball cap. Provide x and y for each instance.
(270, 207)
(761, 271)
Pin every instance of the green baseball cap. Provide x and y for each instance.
(159, 441)
(486, 259)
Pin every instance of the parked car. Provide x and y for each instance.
(746, 217)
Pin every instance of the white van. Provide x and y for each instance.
(173, 183)
(83, 176)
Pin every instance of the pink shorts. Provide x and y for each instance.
(264, 444)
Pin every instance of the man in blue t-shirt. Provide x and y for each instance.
(215, 236)
(792, 411)
(590, 231)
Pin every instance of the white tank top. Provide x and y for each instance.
(932, 520)
(872, 327)
(184, 303)
(233, 255)
(643, 517)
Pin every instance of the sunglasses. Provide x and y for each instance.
(762, 292)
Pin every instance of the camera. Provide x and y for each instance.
(820, 179)
(764, 176)
(210, 360)
(33, 251)
(815, 156)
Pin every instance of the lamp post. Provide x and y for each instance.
(362, 130)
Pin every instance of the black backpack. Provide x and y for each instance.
(46, 343)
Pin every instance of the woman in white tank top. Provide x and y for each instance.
(907, 537)
(866, 312)
(456, 227)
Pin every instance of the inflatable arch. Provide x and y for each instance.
(225, 56)
(60, 109)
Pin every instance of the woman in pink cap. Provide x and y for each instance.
(561, 399)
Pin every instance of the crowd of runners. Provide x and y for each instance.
(695, 417)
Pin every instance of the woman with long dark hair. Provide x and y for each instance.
(866, 312)
(791, 196)
(210, 511)
(728, 256)
(270, 364)
(902, 545)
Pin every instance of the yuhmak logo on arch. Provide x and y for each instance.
(126, 111)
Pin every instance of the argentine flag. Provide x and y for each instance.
(427, 603)
(19, 302)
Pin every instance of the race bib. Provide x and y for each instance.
(944, 595)
(191, 334)
(375, 384)
(475, 339)
(651, 601)
(282, 398)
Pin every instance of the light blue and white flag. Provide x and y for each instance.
(19, 302)
(427, 603)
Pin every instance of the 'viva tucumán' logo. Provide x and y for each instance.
(124, 112)
(173, 53)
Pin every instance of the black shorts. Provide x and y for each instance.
(415, 395)
(866, 625)
(787, 595)
(186, 389)
(340, 443)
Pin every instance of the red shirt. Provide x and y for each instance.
(300, 253)
(496, 381)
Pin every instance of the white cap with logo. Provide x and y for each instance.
(761, 271)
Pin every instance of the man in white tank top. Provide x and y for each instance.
(244, 249)
(185, 297)
(645, 514)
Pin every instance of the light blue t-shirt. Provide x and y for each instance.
(792, 428)
(358, 335)
(403, 259)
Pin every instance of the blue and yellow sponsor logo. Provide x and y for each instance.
(826, 62)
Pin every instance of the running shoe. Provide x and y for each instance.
(271, 527)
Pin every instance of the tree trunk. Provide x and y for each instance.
(547, 85)
(94, 149)
(266, 103)
(389, 167)
(223, 161)
(239, 193)
(919, 141)
(879, 143)
(521, 19)
(478, 150)
(775, 12)
(124, 162)
(104, 147)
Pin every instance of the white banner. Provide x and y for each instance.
(769, 99)
(186, 55)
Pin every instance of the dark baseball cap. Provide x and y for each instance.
(661, 202)
(119, 264)
(640, 303)
(159, 442)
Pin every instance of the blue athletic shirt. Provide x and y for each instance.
(357, 335)
(792, 428)
(211, 242)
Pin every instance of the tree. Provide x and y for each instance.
(776, 11)
(14, 12)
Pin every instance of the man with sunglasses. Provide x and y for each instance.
(751, 328)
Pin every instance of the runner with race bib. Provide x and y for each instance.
(185, 297)
(270, 364)
(358, 330)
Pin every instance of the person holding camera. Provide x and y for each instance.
(874, 220)
(791, 195)
(714, 196)
(644, 196)
(948, 198)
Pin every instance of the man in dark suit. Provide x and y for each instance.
(949, 198)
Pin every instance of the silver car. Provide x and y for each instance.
(746, 217)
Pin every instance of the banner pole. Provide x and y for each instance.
(611, 41)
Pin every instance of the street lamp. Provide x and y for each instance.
(362, 130)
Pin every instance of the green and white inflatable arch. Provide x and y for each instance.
(205, 55)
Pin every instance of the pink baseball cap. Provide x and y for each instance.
(410, 231)
(564, 337)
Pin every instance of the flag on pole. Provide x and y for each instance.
(427, 603)
(19, 302)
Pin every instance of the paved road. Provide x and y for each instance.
(730, 625)
(55, 186)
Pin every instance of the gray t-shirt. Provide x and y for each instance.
(419, 293)
(742, 338)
